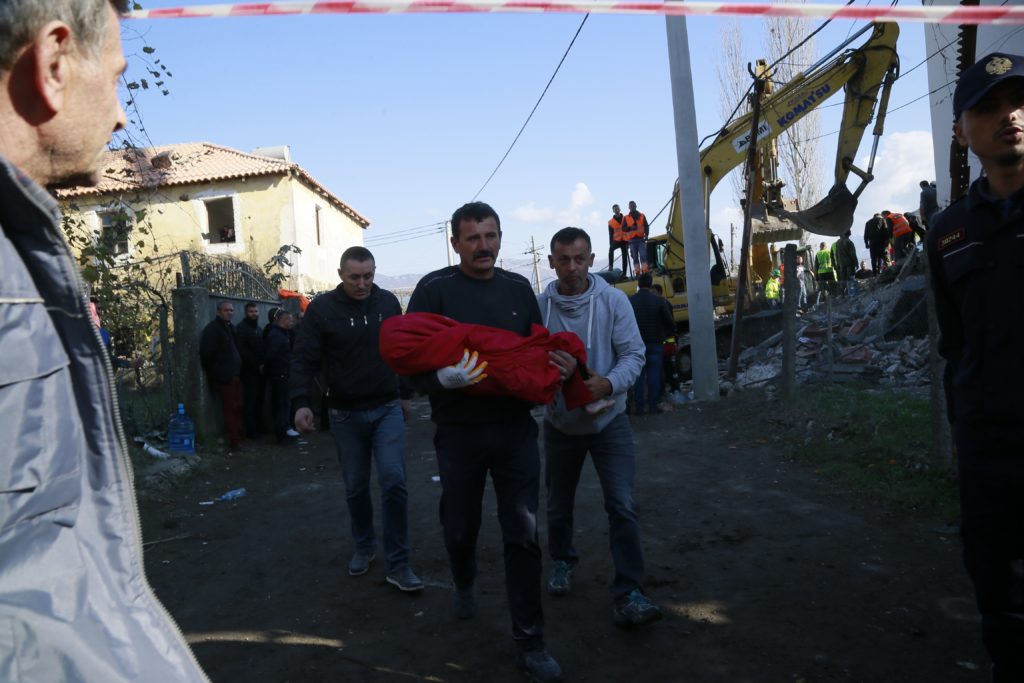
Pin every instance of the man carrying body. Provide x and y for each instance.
(636, 230)
(975, 248)
(654, 318)
(602, 318)
(341, 330)
(74, 602)
(249, 339)
(476, 434)
(617, 240)
(223, 364)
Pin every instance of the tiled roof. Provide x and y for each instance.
(190, 163)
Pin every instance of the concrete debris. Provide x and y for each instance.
(880, 336)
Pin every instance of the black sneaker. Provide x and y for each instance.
(465, 602)
(404, 580)
(360, 563)
(634, 609)
(541, 666)
(560, 580)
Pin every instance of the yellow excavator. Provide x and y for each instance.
(860, 73)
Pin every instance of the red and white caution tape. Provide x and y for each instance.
(945, 14)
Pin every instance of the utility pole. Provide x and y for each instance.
(691, 199)
(532, 251)
(447, 241)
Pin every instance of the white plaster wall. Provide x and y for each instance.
(316, 268)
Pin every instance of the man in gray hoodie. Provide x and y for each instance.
(602, 318)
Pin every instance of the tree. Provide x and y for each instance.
(799, 145)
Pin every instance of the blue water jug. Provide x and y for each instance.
(181, 432)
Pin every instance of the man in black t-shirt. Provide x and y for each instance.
(476, 434)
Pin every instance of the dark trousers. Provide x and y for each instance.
(623, 249)
(615, 461)
(651, 379)
(509, 451)
(877, 250)
(252, 400)
(231, 408)
(992, 527)
(280, 407)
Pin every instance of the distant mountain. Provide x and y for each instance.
(396, 281)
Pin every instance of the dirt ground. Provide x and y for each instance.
(765, 573)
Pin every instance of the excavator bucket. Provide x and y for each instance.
(832, 216)
(767, 226)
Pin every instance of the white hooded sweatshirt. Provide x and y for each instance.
(603, 320)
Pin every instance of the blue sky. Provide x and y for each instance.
(405, 116)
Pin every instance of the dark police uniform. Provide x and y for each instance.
(976, 255)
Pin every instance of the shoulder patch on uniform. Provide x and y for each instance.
(955, 237)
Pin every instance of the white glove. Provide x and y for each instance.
(464, 373)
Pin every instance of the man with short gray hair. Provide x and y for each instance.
(74, 601)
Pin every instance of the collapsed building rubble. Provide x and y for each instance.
(879, 335)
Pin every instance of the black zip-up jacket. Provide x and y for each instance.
(653, 316)
(342, 335)
(277, 353)
(249, 338)
(217, 352)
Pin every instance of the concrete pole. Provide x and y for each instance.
(691, 196)
(791, 291)
(448, 241)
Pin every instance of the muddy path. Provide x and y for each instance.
(765, 571)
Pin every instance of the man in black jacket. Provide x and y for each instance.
(341, 331)
(654, 317)
(876, 238)
(249, 339)
(222, 362)
(277, 358)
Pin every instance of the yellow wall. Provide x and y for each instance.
(269, 211)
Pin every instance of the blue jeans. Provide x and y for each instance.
(508, 450)
(374, 434)
(651, 378)
(638, 252)
(615, 462)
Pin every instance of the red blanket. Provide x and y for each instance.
(516, 366)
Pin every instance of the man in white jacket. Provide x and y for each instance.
(603, 319)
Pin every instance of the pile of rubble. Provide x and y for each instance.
(878, 335)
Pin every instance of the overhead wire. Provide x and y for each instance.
(532, 111)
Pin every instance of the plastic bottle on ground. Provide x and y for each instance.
(181, 432)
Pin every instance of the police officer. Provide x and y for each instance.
(975, 250)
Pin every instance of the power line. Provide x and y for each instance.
(550, 81)
(395, 233)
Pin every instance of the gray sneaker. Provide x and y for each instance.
(404, 580)
(560, 580)
(541, 666)
(360, 563)
(465, 602)
(634, 609)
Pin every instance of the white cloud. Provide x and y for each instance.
(530, 213)
(903, 161)
(574, 213)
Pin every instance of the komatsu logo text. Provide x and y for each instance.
(802, 105)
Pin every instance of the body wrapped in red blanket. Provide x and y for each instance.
(516, 366)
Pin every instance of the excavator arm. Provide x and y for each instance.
(860, 73)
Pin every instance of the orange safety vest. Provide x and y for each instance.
(616, 226)
(634, 228)
(900, 224)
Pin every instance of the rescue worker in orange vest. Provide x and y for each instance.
(902, 235)
(636, 230)
(617, 240)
